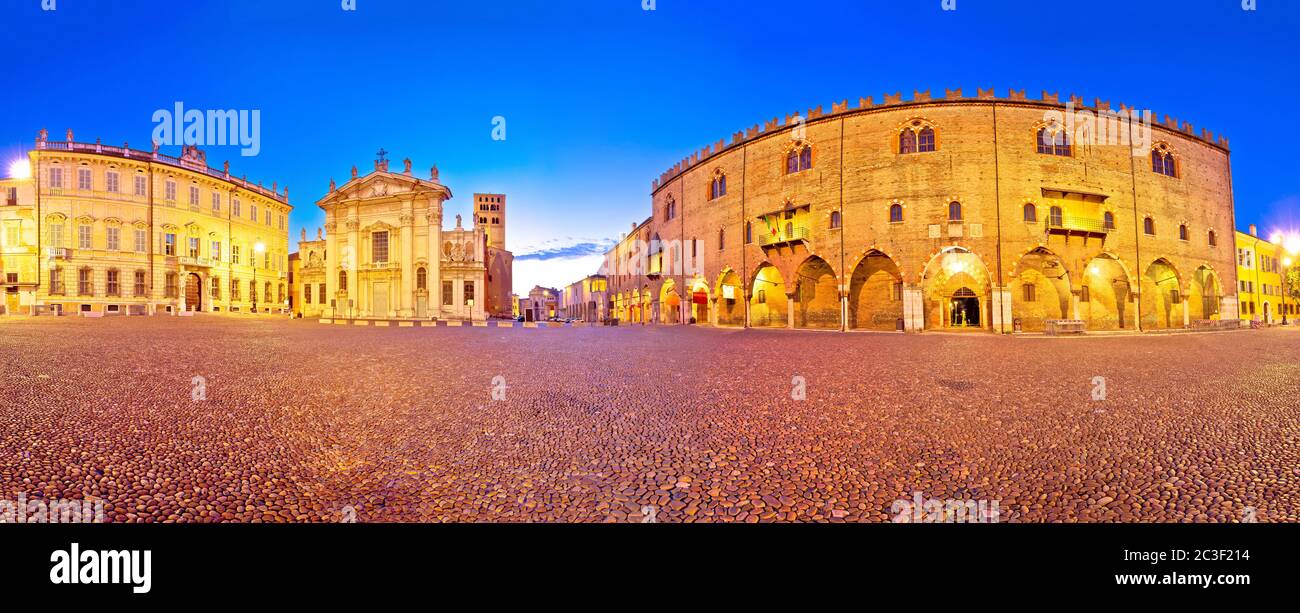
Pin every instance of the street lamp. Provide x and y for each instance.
(20, 169)
(1286, 282)
(258, 248)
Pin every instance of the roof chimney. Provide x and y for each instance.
(1252, 230)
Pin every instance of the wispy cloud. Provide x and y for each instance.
(565, 248)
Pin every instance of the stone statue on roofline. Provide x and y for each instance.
(304, 235)
(354, 171)
(433, 172)
(407, 163)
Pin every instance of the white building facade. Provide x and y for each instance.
(387, 256)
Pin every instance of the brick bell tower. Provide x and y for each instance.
(490, 214)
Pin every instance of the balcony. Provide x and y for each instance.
(1071, 225)
(783, 236)
(388, 265)
(196, 261)
(58, 253)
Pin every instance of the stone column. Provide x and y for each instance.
(1137, 311)
(1002, 321)
(789, 310)
(353, 262)
(844, 309)
(744, 292)
(1074, 304)
(913, 309)
(1187, 312)
(433, 221)
(406, 294)
(331, 266)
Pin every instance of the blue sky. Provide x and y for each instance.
(600, 96)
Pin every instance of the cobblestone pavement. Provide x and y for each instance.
(310, 422)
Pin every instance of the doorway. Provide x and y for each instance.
(964, 309)
(379, 299)
(193, 292)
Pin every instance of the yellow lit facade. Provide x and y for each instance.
(118, 231)
(1261, 279)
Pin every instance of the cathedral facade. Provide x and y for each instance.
(383, 253)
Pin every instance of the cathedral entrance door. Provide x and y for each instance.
(422, 306)
(379, 299)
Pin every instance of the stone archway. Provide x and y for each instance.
(1109, 297)
(950, 281)
(1040, 290)
(875, 296)
(729, 294)
(767, 302)
(1203, 300)
(817, 295)
(699, 301)
(670, 303)
(1162, 296)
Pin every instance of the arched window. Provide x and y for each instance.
(670, 209)
(907, 141)
(718, 186)
(281, 293)
(1055, 218)
(421, 279)
(1108, 220)
(1214, 240)
(925, 140)
(916, 137)
(266, 292)
(835, 219)
(895, 213)
(789, 229)
(799, 158)
(1031, 212)
(1182, 232)
(343, 280)
(749, 232)
(1053, 140)
(1149, 226)
(1162, 161)
(954, 211)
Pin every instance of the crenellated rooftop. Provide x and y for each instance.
(896, 100)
